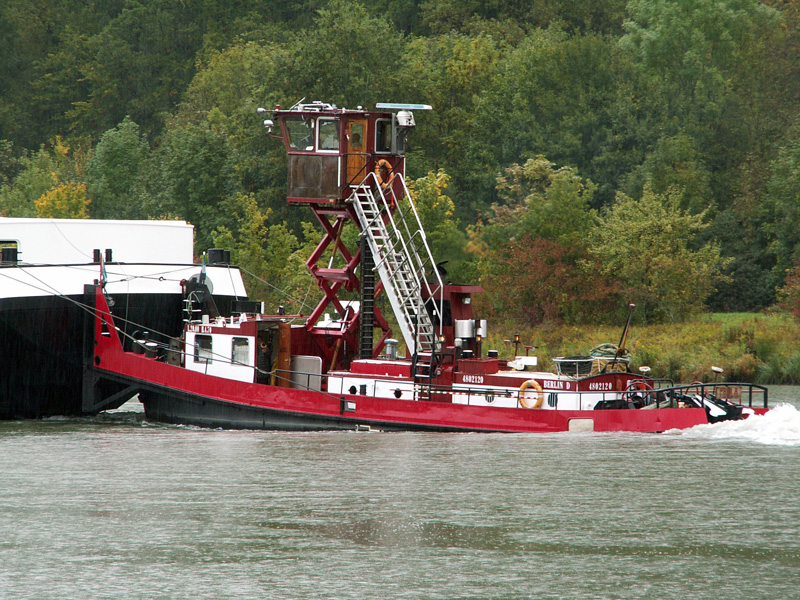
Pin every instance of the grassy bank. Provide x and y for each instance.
(759, 348)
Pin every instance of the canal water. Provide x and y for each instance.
(116, 507)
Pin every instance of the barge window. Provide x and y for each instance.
(300, 134)
(202, 349)
(9, 252)
(240, 352)
(328, 131)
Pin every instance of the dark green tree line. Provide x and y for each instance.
(684, 104)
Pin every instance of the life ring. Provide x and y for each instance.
(379, 166)
(539, 398)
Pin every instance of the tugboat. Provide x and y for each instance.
(340, 367)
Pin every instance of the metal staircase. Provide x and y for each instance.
(393, 231)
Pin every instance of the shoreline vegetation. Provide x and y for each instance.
(750, 347)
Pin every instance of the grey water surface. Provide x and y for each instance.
(115, 507)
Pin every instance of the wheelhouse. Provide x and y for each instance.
(332, 150)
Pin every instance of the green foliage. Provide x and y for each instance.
(320, 63)
(436, 212)
(646, 245)
(38, 173)
(113, 172)
(781, 207)
(788, 295)
(693, 96)
(191, 177)
(533, 249)
(538, 200)
(690, 48)
(449, 72)
(750, 279)
(440, 16)
(675, 163)
(748, 347)
(9, 163)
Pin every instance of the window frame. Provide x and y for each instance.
(203, 355)
(322, 121)
(236, 344)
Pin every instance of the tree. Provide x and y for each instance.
(675, 163)
(750, 276)
(223, 96)
(545, 281)
(450, 72)
(781, 209)
(321, 65)
(37, 173)
(788, 295)
(441, 16)
(646, 245)
(707, 63)
(436, 212)
(113, 171)
(541, 201)
(571, 98)
(691, 46)
(534, 245)
(66, 201)
(190, 177)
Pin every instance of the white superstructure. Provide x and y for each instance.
(72, 241)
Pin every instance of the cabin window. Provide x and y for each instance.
(240, 352)
(357, 137)
(328, 131)
(383, 135)
(384, 129)
(202, 349)
(300, 134)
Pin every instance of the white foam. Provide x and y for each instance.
(778, 427)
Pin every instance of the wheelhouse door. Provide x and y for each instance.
(356, 151)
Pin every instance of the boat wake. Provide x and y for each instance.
(779, 427)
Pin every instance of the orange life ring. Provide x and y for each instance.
(379, 166)
(539, 398)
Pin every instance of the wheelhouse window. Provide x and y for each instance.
(357, 137)
(202, 349)
(328, 132)
(300, 134)
(240, 352)
(383, 136)
(384, 143)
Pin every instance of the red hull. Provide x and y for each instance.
(302, 409)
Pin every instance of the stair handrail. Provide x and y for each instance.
(416, 266)
(421, 264)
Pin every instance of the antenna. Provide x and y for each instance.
(296, 104)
